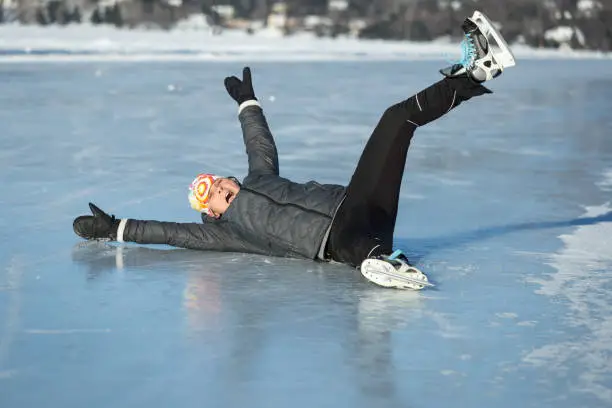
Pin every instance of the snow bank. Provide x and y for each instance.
(582, 279)
(86, 42)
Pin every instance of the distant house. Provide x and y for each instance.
(278, 16)
(337, 5)
(148, 13)
(225, 11)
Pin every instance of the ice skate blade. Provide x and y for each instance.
(502, 55)
(384, 274)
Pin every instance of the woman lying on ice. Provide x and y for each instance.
(271, 215)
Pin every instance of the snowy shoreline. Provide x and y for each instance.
(92, 43)
(581, 278)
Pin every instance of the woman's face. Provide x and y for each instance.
(222, 193)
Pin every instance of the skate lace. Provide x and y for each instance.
(468, 52)
(398, 256)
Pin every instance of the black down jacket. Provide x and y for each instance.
(270, 215)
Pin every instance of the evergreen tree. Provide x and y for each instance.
(96, 17)
(53, 11)
(118, 19)
(40, 17)
(76, 15)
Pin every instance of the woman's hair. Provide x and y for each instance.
(235, 180)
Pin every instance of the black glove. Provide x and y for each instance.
(100, 226)
(241, 91)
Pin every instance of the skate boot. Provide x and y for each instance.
(481, 60)
(394, 271)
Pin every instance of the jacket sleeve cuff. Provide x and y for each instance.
(246, 104)
(121, 229)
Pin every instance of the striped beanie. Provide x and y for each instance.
(199, 192)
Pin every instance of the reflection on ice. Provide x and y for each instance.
(251, 302)
(10, 313)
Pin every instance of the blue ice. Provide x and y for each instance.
(506, 205)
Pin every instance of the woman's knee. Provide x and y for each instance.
(393, 112)
(393, 117)
(407, 111)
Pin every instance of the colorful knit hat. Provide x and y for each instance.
(199, 192)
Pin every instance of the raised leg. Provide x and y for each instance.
(365, 222)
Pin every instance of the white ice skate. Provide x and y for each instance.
(485, 52)
(394, 272)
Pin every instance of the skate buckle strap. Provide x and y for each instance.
(395, 254)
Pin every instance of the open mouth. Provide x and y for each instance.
(229, 197)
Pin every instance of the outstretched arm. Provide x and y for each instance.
(212, 236)
(258, 140)
(208, 236)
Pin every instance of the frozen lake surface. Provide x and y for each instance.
(506, 204)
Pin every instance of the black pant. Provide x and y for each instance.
(365, 221)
